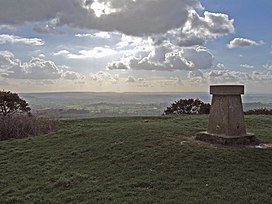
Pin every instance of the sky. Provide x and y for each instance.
(135, 45)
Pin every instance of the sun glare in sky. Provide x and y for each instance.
(101, 8)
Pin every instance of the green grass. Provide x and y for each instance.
(135, 160)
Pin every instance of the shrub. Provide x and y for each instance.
(188, 106)
(16, 120)
(20, 126)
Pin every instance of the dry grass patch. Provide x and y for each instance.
(20, 126)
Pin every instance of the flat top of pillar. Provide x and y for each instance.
(227, 89)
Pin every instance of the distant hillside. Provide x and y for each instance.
(90, 104)
(252, 106)
(114, 98)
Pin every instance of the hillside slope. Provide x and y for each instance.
(135, 160)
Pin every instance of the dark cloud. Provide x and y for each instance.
(131, 17)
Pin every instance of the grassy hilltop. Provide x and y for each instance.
(135, 160)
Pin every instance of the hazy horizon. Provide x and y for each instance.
(137, 97)
(138, 92)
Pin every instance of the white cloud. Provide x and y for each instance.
(104, 35)
(117, 65)
(197, 29)
(97, 52)
(128, 42)
(218, 23)
(241, 42)
(5, 38)
(131, 79)
(195, 74)
(70, 75)
(220, 66)
(247, 66)
(214, 77)
(104, 77)
(228, 76)
(268, 66)
(41, 56)
(79, 35)
(165, 57)
(62, 53)
(265, 76)
(7, 60)
(36, 68)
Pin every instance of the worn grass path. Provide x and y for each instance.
(135, 160)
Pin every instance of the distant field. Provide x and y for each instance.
(135, 160)
(71, 111)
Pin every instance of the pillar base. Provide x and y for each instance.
(246, 139)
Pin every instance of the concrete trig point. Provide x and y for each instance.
(226, 119)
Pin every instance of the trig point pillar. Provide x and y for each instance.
(226, 119)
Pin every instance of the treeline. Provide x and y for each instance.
(196, 106)
(259, 111)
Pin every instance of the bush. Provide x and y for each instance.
(188, 106)
(20, 126)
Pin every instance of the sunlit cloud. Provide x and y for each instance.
(166, 57)
(5, 38)
(242, 42)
